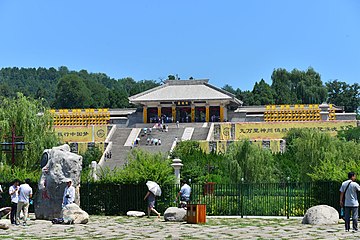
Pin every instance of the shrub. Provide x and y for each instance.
(141, 167)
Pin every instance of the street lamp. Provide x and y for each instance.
(13, 144)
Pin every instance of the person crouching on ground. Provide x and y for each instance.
(349, 189)
(151, 203)
(69, 193)
(14, 194)
(184, 194)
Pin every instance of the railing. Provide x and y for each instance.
(244, 199)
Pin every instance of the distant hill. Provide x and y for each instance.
(99, 90)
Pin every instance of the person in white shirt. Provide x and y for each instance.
(69, 193)
(25, 193)
(14, 194)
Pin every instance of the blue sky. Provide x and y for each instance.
(230, 42)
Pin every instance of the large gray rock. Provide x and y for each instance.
(174, 214)
(4, 225)
(321, 215)
(135, 214)
(75, 213)
(58, 164)
(4, 211)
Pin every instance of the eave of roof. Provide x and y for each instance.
(184, 90)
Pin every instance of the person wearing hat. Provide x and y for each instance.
(69, 193)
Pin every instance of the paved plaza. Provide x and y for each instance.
(104, 227)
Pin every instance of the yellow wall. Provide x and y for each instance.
(277, 130)
(81, 133)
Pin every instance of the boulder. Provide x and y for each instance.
(58, 164)
(4, 211)
(135, 214)
(72, 212)
(174, 214)
(321, 215)
(4, 225)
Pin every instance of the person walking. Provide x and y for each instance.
(14, 195)
(69, 193)
(25, 193)
(348, 190)
(151, 203)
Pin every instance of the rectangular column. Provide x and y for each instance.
(221, 112)
(173, 113)
(192, 113)
(207, 113)
(145, 114)
(159, 111)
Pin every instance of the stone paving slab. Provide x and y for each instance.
(104, 227)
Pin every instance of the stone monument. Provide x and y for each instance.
(58, 164)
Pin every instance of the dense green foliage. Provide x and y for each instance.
(141, 167)
(36, 129)
(299, 87)
(8, 174)
(199, 166)
(351, 134)
(344, 94)
(247, 161)
(310, 156)
(241, 160)
(58, 86)
(91, 154)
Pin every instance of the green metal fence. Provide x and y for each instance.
(244, 199)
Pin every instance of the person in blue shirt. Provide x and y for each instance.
(349, 189)
(184, 193)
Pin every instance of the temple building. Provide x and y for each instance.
(186, 101)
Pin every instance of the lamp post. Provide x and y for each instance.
(177, 166)
(14, 144)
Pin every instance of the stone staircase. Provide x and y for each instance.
(188, 132)
(132, 136)
(119, 151)
(167, 139)
(200, 133)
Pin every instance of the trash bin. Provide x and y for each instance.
(196, 213)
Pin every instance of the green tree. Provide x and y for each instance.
(72, 92)
(313, 155)
(229, 89)
(263, 94)
(171, 77)
(248, 161)
(307, 86)
(198, 166)
(246, 96)
(91, 154)
(351, 134)
(281, 85)
(343, 94)
(37, 130)
(141, 167)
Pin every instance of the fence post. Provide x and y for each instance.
(287, 197)
(242, 198)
